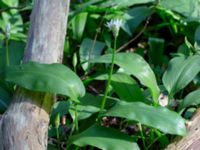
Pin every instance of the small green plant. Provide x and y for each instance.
(150, 64)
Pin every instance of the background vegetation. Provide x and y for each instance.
(154, 83)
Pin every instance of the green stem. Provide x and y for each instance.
(7, 54)
(74, 127)
(109, 79)
(155, 139)
(58, 137)
(142, 136)
(57, 133)
(76, 118)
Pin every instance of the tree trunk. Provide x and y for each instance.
(192, 140)
(24, 125)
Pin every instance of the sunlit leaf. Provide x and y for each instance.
(54, 78)
(135, 65)
(125, 3)
(158, 117)
(188, 8)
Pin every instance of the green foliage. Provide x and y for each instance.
(104, 138)
(157, 52)
(192, 98)
(189, 8)
(78, 25)
(53, 78)
(180, 72)
(89, 50)
(160, 118)
(134, 18)
(135, 65)
(126, 88)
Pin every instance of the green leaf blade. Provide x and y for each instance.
(160, 117)
(53, 78)
(137, 66)
(90, 49)
(105, 139)
(192, 98)
(180, 72)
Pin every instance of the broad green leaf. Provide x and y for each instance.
(192, 98)
(158, 117)
(53, 78)
(125, 3)
(125, 87)
(180, 72)
(188, 8)
(135, 65)
(134, 18)
(78, 25)
(104, 139)
(89, 49)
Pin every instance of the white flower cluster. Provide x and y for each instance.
(114, 25)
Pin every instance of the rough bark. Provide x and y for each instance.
(24, 125)
(192, 140)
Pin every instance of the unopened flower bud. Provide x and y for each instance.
(163, 100)
(7, 30)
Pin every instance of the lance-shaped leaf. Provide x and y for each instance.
(135, 65)
(158, 117)
(53, 78)
(89, 49)
(104, 139)
(192, 98)
(180, 72)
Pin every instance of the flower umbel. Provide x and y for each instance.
(114, 25)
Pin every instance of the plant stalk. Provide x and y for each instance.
(142, 136)
(7, 54)
(109, 79)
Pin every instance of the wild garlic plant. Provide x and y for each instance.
(114, 26)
